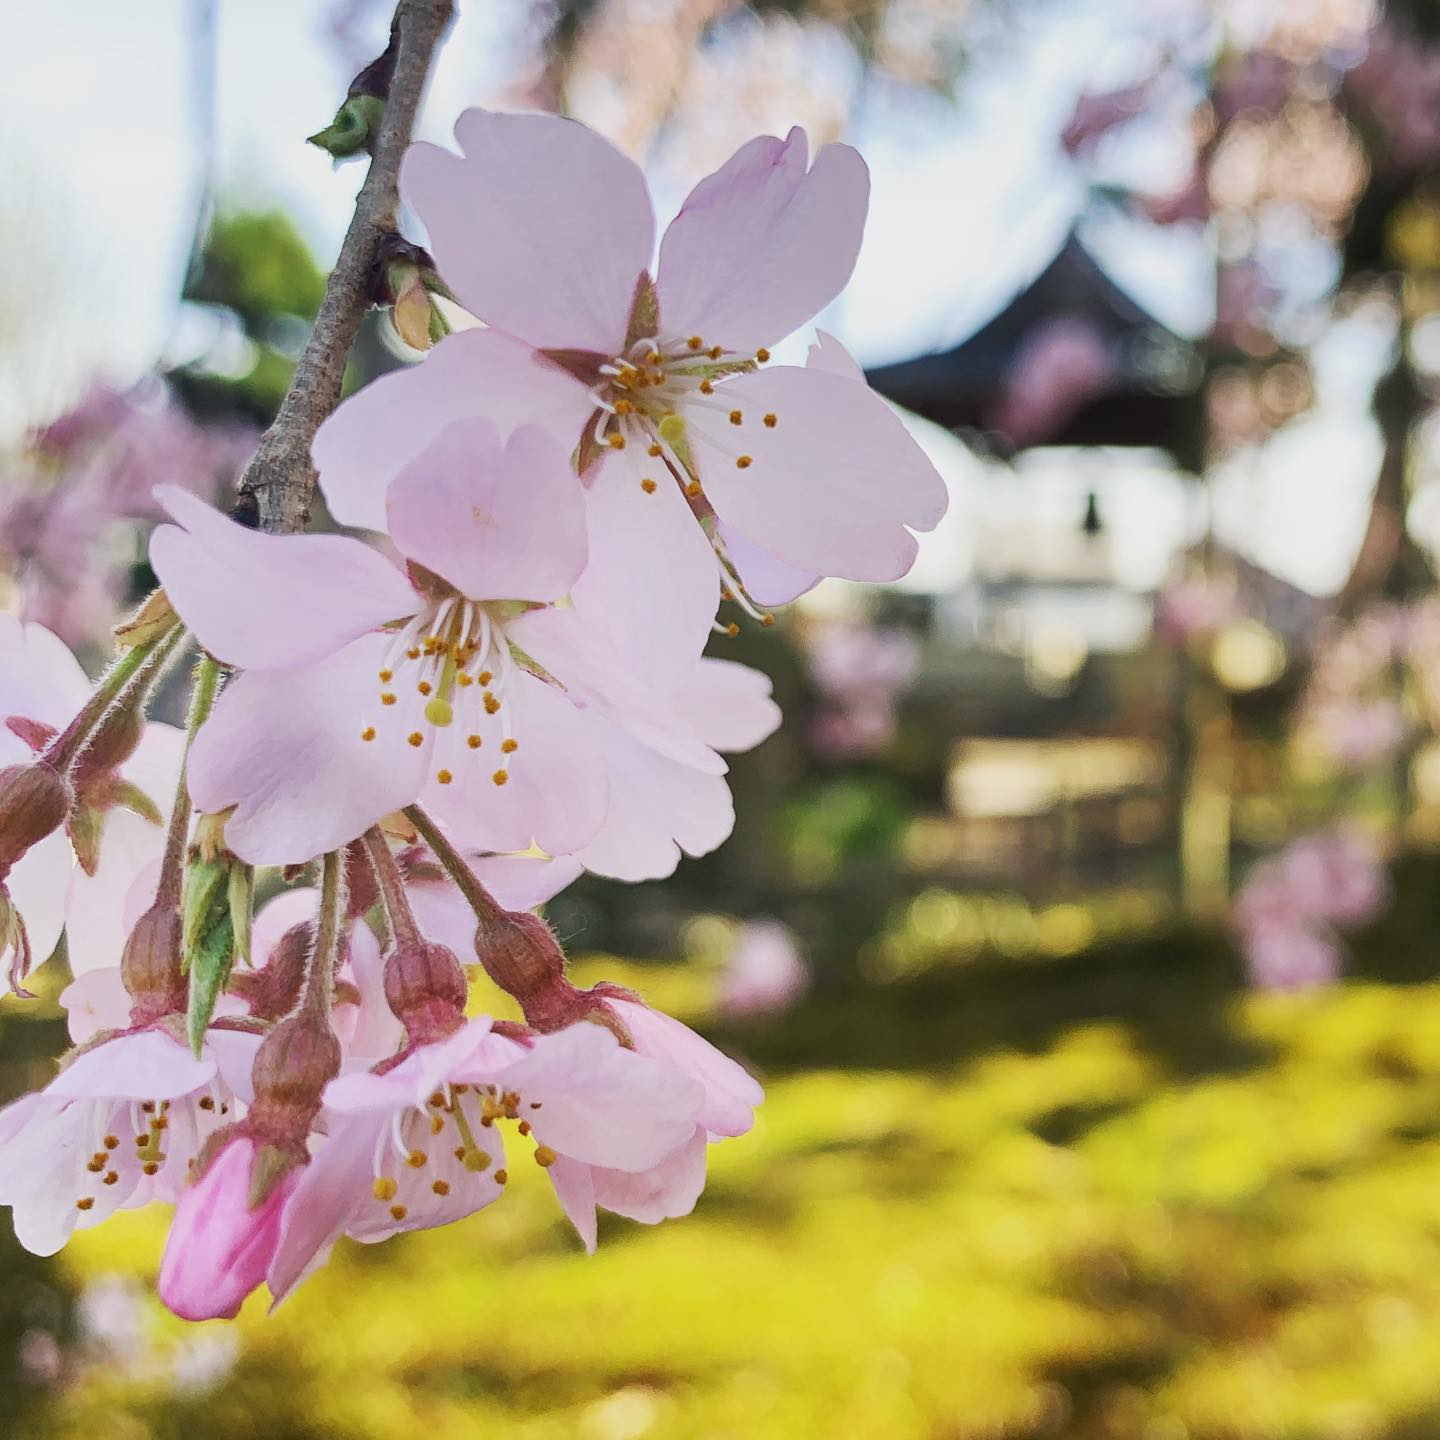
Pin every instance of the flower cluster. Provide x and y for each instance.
(1288, 912)
(445, 721)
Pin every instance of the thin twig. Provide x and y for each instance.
(279, 480)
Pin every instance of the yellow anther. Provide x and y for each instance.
(437, 1124)
(387, 698)
(491, 703)
(437, 1099)
(148, 1108)
(438, 712)
(424, 687)
(544, 1155)
(743, 462)
(464, 678)
(652, 357)
(111, 1176)
(383, 1187)
(695, 342)
(770, 422)
(386, 676)
(762, 354)
(706, 388)
(416, 1159)
(715, 352)
(615, 440)
(767, 619)
(693, 489)
(509, 746)
(413, 652)
(624, 407)
(484, 677)
(85, 1203)
(398, 1212)
(444, 776)
(112, 1142)
(96, 1164)
(474, 741)
(736, 417)
(368, 733)
(415, 738)
(655, 452)
(648, 485)
(500, 776)
(440, 1187)
(523, 1127)
(671, 428)
(732, 630)
(501, 1176)
(473, 1160)
(151, 1167)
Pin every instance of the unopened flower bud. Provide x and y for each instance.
(154, 618)
(294, 1064)
(519, 953)
(223, 1236)
(150, 966)
(425, 988)
(34, 801)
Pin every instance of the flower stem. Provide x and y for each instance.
(319, 991)
(395, 903)
(202, 698)
(479, 898)
(127, 679)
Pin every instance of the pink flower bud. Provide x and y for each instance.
(34, 801)
(425, 987)
(150, 966)
(294, 1064)
(220, 1244)
(519, 954)
(115, 740)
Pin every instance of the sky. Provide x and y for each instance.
(970, 200)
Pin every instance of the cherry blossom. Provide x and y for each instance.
(368, 687)
(118, 1127)
(420, 1144)
(662, 386)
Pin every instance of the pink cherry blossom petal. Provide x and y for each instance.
(554, 790)
(39, 883)
(39, 677)
(831, 486)
(664, 1192)
(95, 905)
(763, 244)
(95, 1001)
(542, 229)
(600, 1103)
(145, 1065)
(286, 750)
(582, 657)
(658, 809)
(497, 523)
(731, 1094)
(362, 447)
(767, 579)
(730, 704)
(305, 595)
(652, 582)
(575, 1190)
(827, 353)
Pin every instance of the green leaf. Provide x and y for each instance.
(241, 898)
(209, 964)
(204, 901)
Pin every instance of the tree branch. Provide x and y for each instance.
(277, 484)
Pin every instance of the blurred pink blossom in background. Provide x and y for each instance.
(766, 971)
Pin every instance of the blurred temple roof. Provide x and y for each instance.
(1149, 395)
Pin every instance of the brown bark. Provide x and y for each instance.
(276, 487)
